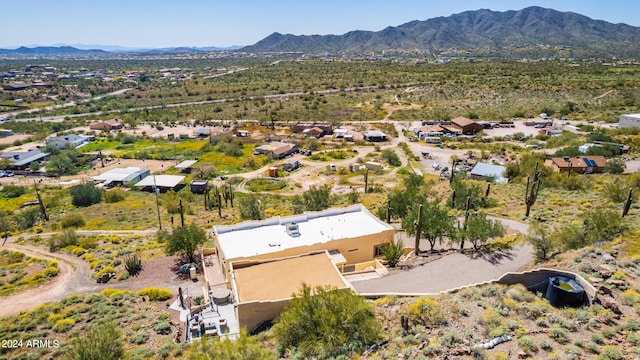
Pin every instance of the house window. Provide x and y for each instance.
(377, 250)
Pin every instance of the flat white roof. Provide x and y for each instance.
(637, 116)
(120, 174)
(251, 238)
(186, 164)
(161, 181)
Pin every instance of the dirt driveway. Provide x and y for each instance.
(75, 278)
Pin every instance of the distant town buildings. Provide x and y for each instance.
(107, 125)
(579, 164)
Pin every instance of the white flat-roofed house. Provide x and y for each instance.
(71, 140)
(629, 120)
(356, 233)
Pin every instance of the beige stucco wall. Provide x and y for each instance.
(262, 289)
(354, 250)
(252, 314)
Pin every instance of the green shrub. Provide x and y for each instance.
(610, 352)
(51, 271)
(428, 312)
(114, 195)
(597, 338)
(122, 276)
(155, 294)
(558, 334)
(88, 242)
(85, 195)
(392, 252)
(323, 323)
(105, 270)
(71, 220)
(527, 344)
(141, 337)
(163, 328)
(391, 157)
(63, 325)
(243, 347)
(62, 240)
(13, 191)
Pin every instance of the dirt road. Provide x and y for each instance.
(75, 277)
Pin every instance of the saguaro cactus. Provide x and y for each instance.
(627, 203)
(531, 192)
(418, 228)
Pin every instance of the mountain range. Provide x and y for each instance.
(480, 29)
(80, 49)
(509, 33)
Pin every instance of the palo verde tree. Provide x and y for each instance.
(315, 199)
(478, 229)
(251, 208)
(184, 240)
(401, 197)
(325, 323)
(540, 238)
(436, 222)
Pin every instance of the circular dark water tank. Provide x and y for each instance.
(563, 291)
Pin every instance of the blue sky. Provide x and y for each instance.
(164, 23)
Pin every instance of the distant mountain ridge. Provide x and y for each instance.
(473, 30)
(66, 50)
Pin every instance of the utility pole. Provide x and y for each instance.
(101, 157)
(156, 190)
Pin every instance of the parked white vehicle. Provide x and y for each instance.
(436, 166)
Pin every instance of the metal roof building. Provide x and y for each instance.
(163, 182)
(123, 175)
(489, 171)
(23, 158)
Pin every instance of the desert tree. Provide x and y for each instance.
(540, 238)
(478, 229)
(325, 323)
(184, 240)
(436, 223)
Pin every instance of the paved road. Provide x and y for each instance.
(60, 118)
(452, 271)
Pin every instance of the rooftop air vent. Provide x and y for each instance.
(293, 230)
